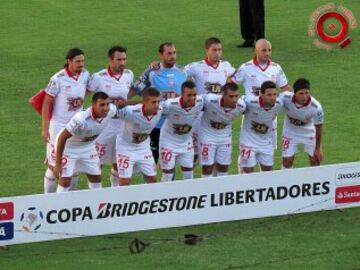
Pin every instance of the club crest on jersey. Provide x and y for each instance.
(74, 104)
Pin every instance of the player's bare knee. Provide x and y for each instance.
(222, 168)
(124, 181)
(265, 168)
(65, 182)
(247, 169)
(288, 162)
(150, 179)
(207, 169)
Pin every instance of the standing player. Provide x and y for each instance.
(116, 81)
(75, 146)
(209, 75)
(168, 79)
(66, 92)
(302, 125)
(176, 144)
(133, 145)
(258, 70)
(216, 129)
(256, 145)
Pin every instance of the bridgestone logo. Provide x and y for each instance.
(178, 204)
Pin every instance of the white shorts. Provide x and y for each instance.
(127, 159)
(54, 129)
(106, 147)
(290, 145)
(80, 159)
(250, 155)
(169, 156)
(211, 153)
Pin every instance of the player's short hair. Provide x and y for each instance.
(266, 85)
(99, 95)
(162, 46)
(150, 92)
(211, 41)
(301, 83)
(114, 49)
(187, 84)
(229, 87)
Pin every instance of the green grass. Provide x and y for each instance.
(34, 38)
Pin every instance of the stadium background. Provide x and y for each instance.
(34, 38)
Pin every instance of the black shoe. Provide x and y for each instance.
(246, 44)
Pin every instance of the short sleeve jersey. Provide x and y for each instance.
(251, 75)
(68, 92)
(209, 78)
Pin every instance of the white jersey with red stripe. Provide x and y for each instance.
(176, 130)
(209, 78)
(137, 128)
(257, 123)
(85, 128)
(216, 122)
(300, 120)
(69, 93)
(116, 87)
(251, 75)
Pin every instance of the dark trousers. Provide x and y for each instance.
(252, 19)
(154, 143)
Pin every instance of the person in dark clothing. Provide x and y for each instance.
(252, 21)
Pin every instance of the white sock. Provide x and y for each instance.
(49, 182)
(62, 189)
(222, 173)
(188, 174)
(167, 177)
(206, 175)
(74, 182)
(114, 178)
(94, 185)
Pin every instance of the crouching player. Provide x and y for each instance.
(75, 144)
(176, 145)
(302, 125)
(215, 136)
(133, 144)
(256, 136)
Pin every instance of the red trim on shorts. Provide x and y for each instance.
(256, 63)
